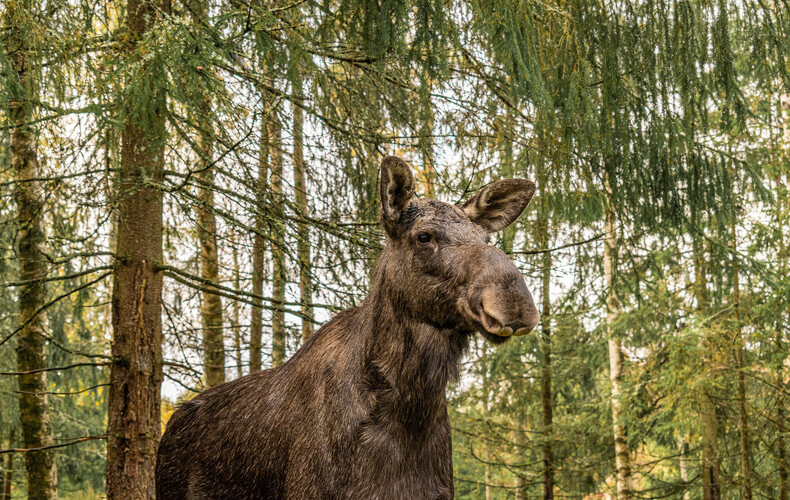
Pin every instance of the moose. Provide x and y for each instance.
(359, 411)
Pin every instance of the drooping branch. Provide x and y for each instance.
(61, 445)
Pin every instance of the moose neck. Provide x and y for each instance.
(408, 358)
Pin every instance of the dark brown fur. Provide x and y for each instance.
(359, 412)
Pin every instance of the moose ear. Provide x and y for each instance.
(397, 189)
(500, 203)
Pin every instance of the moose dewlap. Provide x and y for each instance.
(359, 412)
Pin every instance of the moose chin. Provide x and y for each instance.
(359, 411)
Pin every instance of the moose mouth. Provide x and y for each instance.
(488, 325)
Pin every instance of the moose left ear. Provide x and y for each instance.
(396, 190)
(500, 203)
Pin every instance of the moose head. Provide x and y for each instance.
(438, 264)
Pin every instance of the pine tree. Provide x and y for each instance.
(300, 186)
(545, 337)
(31, 359)
(621, 448)
(133, 427)
(277, 242)
(259, 244)
(211, 310)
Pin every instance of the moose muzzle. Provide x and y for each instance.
(498, 300)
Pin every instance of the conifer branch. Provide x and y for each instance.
(52, 302)
(50, 447)
(57, 368)
(561, 247)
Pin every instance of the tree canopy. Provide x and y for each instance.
(189, 189)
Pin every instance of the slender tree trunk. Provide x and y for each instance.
(278, 243)
(211, 307)
(259, 245)
(365, 187)
(487, 403)
(743, 419)
(622, 452)
(303, 229)
(508, 170)
(31, 345)
(545, 386)
(487, 457)
(784, 255)
(781, 450)
(134, 420)
(521, 485)
(426, 176)
(683, 450)
(235, 318)
(711, 488)
(8, 473)
(545, 341)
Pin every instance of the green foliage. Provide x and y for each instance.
(669, 111)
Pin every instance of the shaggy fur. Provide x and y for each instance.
(359, 412)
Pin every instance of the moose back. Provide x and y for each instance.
(359, 412)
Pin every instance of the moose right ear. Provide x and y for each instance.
(397, 189)
(500, 203)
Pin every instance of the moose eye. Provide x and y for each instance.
(424, 238)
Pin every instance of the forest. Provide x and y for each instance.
(189, 189)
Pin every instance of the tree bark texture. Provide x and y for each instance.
(545, 343)
(278, 243)
(622, 452)
(235, 324)
(743, 418)
(683, 451)
(521, 483)
(784, 255)
(426, 176)
(8, 473)
(303, 230)
(711, 487)
(259, 245)
(211, 307)
(31, 346)
(134, 425)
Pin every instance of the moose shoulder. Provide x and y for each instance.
(359, 412)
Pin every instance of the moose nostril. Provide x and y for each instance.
(491, 323)
(517, 325)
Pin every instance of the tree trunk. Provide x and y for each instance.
(278, 243)
(259, 245)
(31, 345)
(300, 191)
(211, 307)
(545, 386)
(487, 458)
(711, 489)
(426, 176)
(545, 342)
(134, 421)
(781, 451)
(622, 453)
(743, 419)
(487, 403)
(235, 318)
(683, 450)
(508, 170)
(521, 484)
(8, 473)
